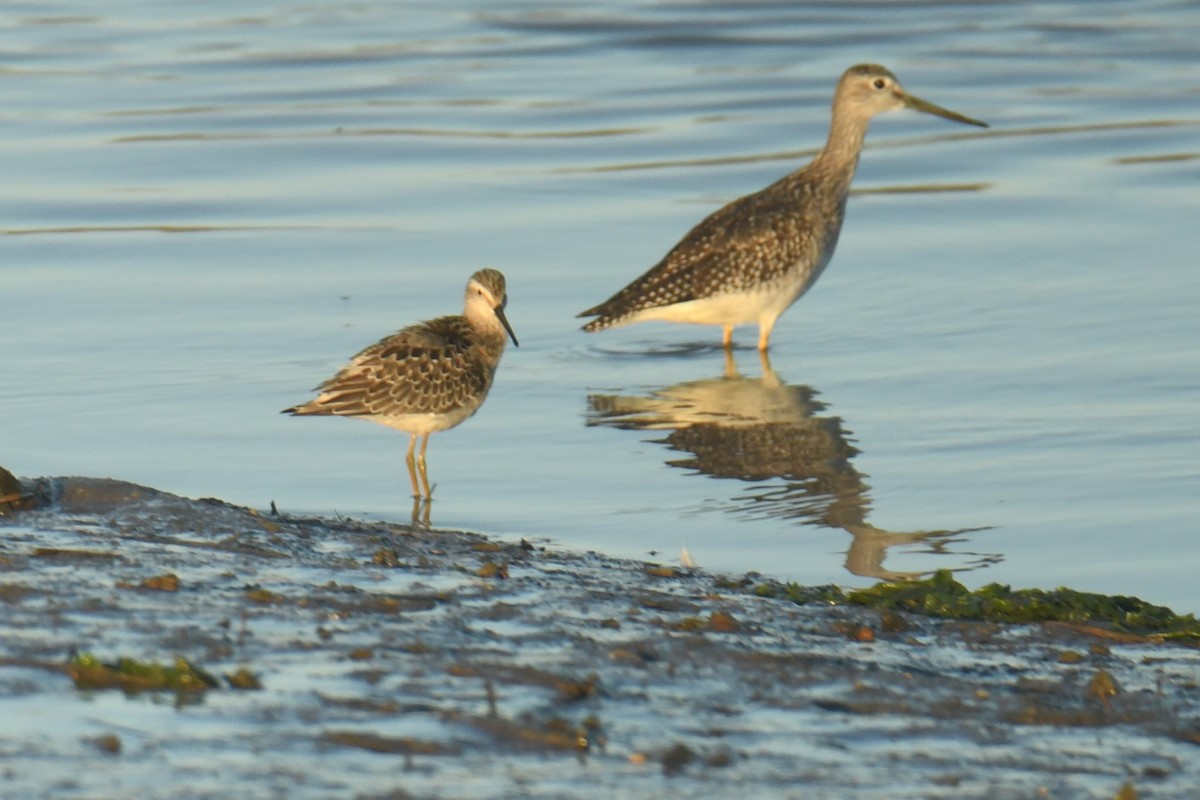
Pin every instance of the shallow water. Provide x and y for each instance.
(208, 209)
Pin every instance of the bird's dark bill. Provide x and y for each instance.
(917, 104)
(504, 321)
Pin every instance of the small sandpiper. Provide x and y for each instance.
(427, 377)
(750, 260)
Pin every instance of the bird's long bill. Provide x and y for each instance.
(504, 321)
(917, 104)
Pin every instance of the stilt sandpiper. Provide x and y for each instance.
(425, 378)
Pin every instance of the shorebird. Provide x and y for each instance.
(750, 260)
(425, 378)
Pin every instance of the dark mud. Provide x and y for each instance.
(352, 659)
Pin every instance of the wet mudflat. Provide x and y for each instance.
(350, 659)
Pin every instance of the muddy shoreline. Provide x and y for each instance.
(389, 661)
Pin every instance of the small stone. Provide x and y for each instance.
(676, 758)
(243, 679)
(723, 622)
(1126, 792)
(162, 583)
(1103, 685)
(107, 743)
(491, 569)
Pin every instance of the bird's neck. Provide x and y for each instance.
(491, 334)
(840, 155)
(487, 326)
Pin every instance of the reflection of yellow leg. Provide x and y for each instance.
(728, 340)
(412, 469)
(731, 370)
(421, 467)
(769, 378)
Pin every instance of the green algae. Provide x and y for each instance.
(133, 676)
(942, 596)
(828, 595)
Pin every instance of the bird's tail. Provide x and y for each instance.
(306, 409)
(598, 324)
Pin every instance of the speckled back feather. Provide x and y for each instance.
(753, 241)
(433, 367)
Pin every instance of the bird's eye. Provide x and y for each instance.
(880, 83)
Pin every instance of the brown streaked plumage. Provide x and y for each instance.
(427, 377)
(750, 260)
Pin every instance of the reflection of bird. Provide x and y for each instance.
(427, 377)
(749, 261)
(759, 429)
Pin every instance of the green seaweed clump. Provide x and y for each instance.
(132, 676)
(942, 596)
(828, 595)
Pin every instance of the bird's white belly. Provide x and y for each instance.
(424, 423)
(764, 302)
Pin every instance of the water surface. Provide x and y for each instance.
(207, 209)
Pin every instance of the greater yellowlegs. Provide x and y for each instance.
(750, 260)
(427, 377)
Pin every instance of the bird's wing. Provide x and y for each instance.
(423, 369)
(752, 239)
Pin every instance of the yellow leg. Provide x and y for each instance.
(764, 334)
(420, 513)
(728, 339)
(412, 469)
(421, 468)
